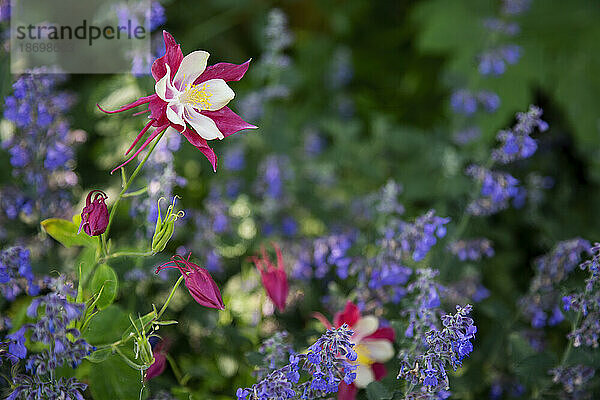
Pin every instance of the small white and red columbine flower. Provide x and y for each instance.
(191, 98)
(373, 345)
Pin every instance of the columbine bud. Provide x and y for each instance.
(274, 279)
(94, 216)
(198, 281)
(159, 351)
(165, 227)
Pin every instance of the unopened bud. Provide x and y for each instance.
(94, 216)
(165, 226)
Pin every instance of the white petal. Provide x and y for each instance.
(170, 130)
(161, 85)
(379, 350)
(175, 114)
(218, 93)
(364, 327)
(364, 376)
(203, 125)
(191, 67)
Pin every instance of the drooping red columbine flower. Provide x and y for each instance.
(373, 345)
(274, 279)
(200, 284)
(94, 216)
(191, 98)
(159, 351)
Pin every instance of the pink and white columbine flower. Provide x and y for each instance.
(373, 345)
(190, 98)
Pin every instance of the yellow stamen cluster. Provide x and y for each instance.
(364, 355)
(198, 96)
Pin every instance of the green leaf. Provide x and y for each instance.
(65, 232)
(99, 355)
(107, 326)
(168, 322)
(105, 281)
(113, 379)
(376, 391)
(85, 264)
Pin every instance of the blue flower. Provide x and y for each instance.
(332, 349)
(242, 394)
(17, 345)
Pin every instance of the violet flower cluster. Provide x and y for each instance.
(515, 7)
(573, 380)
(275, 353)
(16, 275)
(516, 143)
(326, 254)
(326, 363)
(382, 279)
(417, 238)
(154, 17)
(467, 102)
(274, 173)
(506, 386)
(385, 275)
(497, 190)
(472, 249)
(64, 347)
(382, 207)
(587, 303)
(494, 60)
(541, 305)
(425, 302)
(444, 348)
(41, 148)
(273, 62)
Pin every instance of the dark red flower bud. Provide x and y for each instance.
(274, 279)
(160, 360)
(94, 216)
(200, 284)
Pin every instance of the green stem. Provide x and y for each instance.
(100, 249)
(115, 345)
(127, 254)
(176, 370)
(164, 307)
(136, 193)
(114, 207)
(128, 361)
(569, 348)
